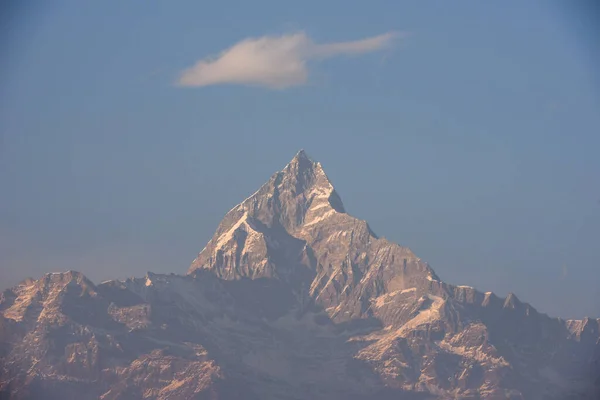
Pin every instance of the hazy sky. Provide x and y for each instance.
(468, 131)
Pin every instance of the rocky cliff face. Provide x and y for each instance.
(292, 298)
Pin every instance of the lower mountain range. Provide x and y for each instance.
(292, 298)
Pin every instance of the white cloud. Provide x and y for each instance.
(275, 62)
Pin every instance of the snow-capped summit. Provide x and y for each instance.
(294, 202)
(295, 228)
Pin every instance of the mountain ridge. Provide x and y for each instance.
(292, 298)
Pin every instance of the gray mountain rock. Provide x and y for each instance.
(292, 298)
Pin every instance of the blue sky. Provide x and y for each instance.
(472, 137)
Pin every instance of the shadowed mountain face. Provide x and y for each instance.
(292, 298)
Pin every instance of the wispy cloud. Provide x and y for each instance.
(276, 62)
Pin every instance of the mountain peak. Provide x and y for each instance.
(301, 155)
(295, 228)
(305, 177)
(301, 161)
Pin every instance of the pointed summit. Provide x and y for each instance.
(302, 164)
(295, 229)
(293, 203)
(303, 159)
(304, 180)
(300, 161)
(301, 155)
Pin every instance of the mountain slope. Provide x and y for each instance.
(292, 298)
